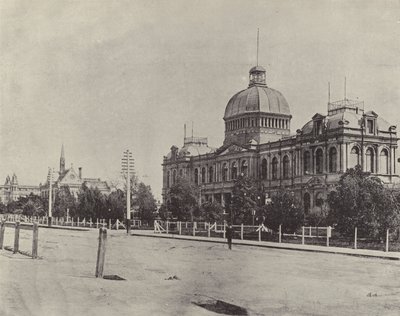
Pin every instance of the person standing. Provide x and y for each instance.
(229, 235)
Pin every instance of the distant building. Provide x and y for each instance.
(12, 191)
(258, 143)
(71, 179)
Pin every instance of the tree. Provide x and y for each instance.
(64, 200)
(182, 198)
(116, 205)
(211, 212)
(244, 202)
(91, 203)
(284, 210)
(145, 202)
(362, 201)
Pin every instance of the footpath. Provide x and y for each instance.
(284, 246)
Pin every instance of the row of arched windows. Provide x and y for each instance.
(257, 122)
(371, 161)
(234, 168)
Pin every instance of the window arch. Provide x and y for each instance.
(383, 162)
(211, 174)
(274, 168)
(174, 176)
(354, 157)
(370, 161)
(224, 172)
(319, 199)
(319, 161)
(332, 159)
(196, 176)
(307, 202)
(285, 167)
(264, 169)
(168, 176)
(203, 175)
(234, 171)
(307, 162)
(244, 168)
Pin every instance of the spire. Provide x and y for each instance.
(62, 160)
(258, 40)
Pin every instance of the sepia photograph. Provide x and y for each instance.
(199, 157)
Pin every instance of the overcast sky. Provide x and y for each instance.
(104, 76)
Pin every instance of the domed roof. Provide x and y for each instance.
(257, 98)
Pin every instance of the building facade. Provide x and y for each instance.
(12, 191)
(259, 143)
(71, 179)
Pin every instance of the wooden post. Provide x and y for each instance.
(2, 228)
(387, 240)
(310, 232)
(215, 226)
(109, 224)
(101, 251)
(259, 234)
(16, 237)
(209, 230)
(180, 228)
(194, 229)
(280, 234)
(167, 227)
(328, 234)
(241, 231)
(97, 223)
(77, 223)
(224, 230)
(302, 235)
(35, 240)
(355, 238)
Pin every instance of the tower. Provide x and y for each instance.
(62, 160)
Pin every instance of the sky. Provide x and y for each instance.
(101, 77)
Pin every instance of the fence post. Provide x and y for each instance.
(310, 231)
(302, 235)
(97, 223)
(355, 238)
(280, 233)
(224, 230)
(194, 229)
(387, 240)
(2, 228)
(101, 251)
(241, 231)
(167, 227)
(259, 233)
(77, 223)
(328, 234)
(215, 226)
(109, 223)
(16, 238)
(35, 240)
(209, 231)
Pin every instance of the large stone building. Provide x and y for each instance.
(71, 179)
(258, 142)
(12, 191)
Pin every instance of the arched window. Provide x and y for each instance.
(319, 161)
(203, 175)
(168, 176)
(294, 168)
(285, 167)
(332, 159)
(383, 162)
(234, 171)
(224, 172)
(307, 203)
(274, 168)
(211, 174)
(244, 168)
(319, 199)
(181, 173)
(174, 176)
(196, 176)
(307, 162)
(264, 169)
(354, 157)
(370, 161)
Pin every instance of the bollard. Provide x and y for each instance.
(302, 235)
(35, 240)
(2, 228)
(280, 234)
(16, 238)
(355, 238)
(101, 252)
(241, 231)
(387, 240)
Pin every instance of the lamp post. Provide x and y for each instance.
(50, 178)
(128, 168)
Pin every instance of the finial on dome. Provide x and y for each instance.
(257, 76)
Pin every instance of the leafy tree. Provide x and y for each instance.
(244, 202)
(211, 212)
(64, 200)
(182, 199)
(362, 201)
(3, 208)
(145, 202)
(91, 203)
(284, 210)
(116, 205)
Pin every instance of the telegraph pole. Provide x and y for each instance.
(50, 178)
(128, 169)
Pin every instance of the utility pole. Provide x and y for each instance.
(128, 169)
(50, 179)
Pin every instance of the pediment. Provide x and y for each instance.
(70, 177)
(318, 116)
(371, 113)
(315, 181)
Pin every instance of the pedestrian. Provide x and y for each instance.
(229, 235)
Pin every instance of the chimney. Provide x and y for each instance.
(80, 173)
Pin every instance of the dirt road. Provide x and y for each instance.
(263, 281)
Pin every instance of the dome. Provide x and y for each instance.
(257, 98)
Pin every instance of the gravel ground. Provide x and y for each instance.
(167, 277)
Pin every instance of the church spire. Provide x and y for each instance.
(62, 160)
